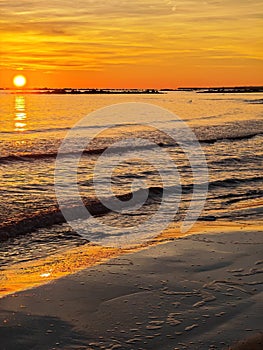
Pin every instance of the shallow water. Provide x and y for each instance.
(228, 126)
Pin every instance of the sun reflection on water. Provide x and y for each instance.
(20, 114)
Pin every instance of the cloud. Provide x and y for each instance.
(93, 34)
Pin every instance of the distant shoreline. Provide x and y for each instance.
(69, 91)
(89, 91)
(219, 90)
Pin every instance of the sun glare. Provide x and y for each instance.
(19, 81)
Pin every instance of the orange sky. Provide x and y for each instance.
(131, 43)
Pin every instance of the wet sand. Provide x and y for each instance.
(252, 343)
(196, 292)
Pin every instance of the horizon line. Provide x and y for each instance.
(138, 89)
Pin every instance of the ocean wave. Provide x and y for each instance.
(247, 136)
(32, 131)
(24, 157)
(235, 131)
(236, 160)
(54, 216)
(76, 128)
(230, 198)
(230, 182)
(94, 151)
(96, 208)
(255, 101)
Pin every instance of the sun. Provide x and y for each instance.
(19, 81)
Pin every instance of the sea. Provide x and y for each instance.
(228, 128)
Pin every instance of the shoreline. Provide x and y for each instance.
(31, 274)
(192, 292)
(26, 275)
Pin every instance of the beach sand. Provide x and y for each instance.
(252, 343)
(196, 292)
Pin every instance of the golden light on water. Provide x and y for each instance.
(20, 114)
(19, 80)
